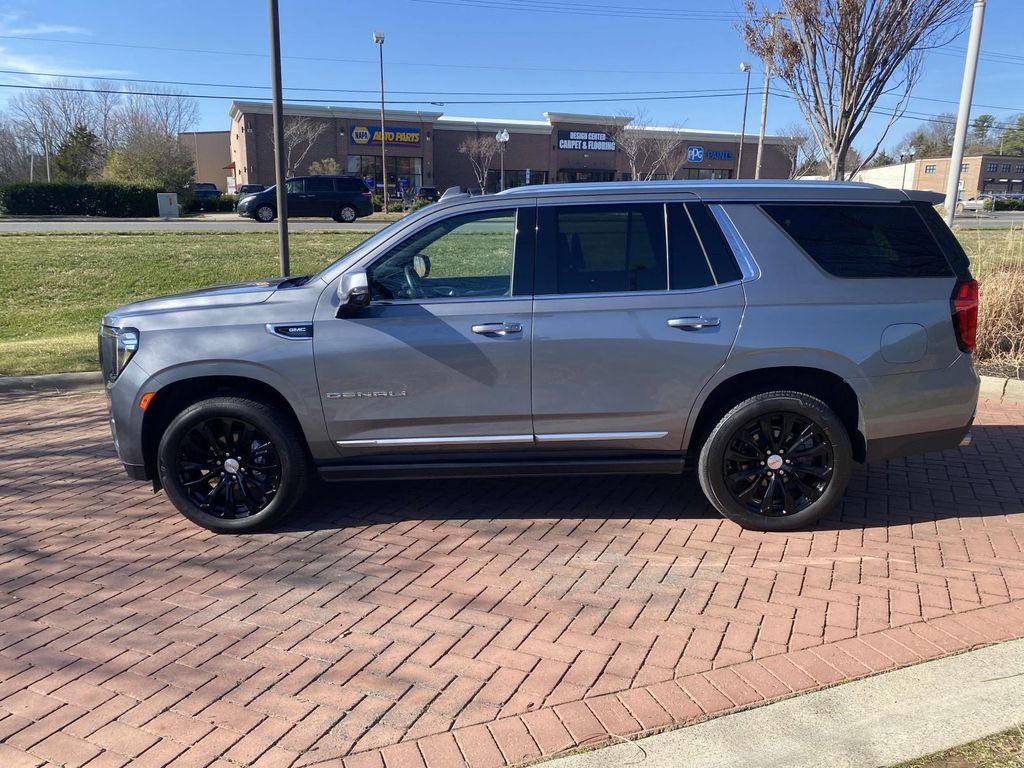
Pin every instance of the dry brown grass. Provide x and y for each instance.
(997, 260)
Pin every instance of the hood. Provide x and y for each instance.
(239, 294)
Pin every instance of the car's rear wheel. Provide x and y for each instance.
(232, 465)
(776, 462)
(346, 214)
(266, 214)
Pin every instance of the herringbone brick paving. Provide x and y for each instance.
(481, 623)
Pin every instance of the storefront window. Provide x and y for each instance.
(708, 173)
(410, 168)
(514, 179)
(574, 176)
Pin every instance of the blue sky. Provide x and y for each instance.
(480, 46)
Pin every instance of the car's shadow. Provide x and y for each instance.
(983, 480)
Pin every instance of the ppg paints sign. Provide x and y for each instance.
(370, 135)
(696, 154)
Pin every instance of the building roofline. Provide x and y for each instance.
(313, 110)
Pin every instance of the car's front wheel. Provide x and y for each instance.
(232, 465)
(346, 214)
(776, 462)
(265, 213)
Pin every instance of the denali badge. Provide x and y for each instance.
(366, 393)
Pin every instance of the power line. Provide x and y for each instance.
(681, 96)
(102, 80)
(507, 68)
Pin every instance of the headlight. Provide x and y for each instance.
(246, 199)
(117, 347)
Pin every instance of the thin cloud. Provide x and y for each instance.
(44, 29)
(28, 63)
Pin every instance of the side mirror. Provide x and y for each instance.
(353, 291)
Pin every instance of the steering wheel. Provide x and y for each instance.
(412, 281)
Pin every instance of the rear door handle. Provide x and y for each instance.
(694, 323)
(497, 329)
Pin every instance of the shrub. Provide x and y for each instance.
(396, 206)
(103, 198)
(420, 202)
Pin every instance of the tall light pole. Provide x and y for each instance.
(744, 67)
(966, 94)
(502, 138)
(279, 150)
(378, 38)
(906, 157)
(764, 118)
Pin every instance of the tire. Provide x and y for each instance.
(748, 477)
(246, 459)
(346, 214)
(265, 213)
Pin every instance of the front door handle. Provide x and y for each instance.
(695, 323)
(497, 329)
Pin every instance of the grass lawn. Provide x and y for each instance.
(1001, 750)
(55, 287)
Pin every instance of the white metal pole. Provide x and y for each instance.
(744, 67)
(378, 38)
(279, 150)
(966, 95)
(764, 119)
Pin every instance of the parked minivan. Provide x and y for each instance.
(769, 335)
(342, 198)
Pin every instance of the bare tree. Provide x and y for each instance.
(839, 57)
(300, 134)
(156, 110)
(801, 148)
(49, 116)
(669, 152)
(633, 140)
(481, 151)
(16, 150)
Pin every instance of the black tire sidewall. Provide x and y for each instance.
(282, 434)
(710, 464)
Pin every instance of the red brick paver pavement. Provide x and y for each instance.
(450, 623)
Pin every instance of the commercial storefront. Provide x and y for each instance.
(423, 148)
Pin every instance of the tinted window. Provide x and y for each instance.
(688, 265)
(609, 248)
(717, 249)
(294, 186)
(319, 184)
(463, 256)
(863, 240)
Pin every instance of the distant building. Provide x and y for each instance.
(979, 174)
(423, 147)
(211, 153)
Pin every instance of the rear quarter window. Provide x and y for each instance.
(866, 241)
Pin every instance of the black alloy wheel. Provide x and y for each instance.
(229, 468)
(233, 465)
(778, 464)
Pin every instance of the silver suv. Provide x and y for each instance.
(767, 334)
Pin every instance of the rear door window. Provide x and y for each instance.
(319, 184)
(349, 185)
(867, 241)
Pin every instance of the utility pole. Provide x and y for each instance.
(278, 110)
(378, 38)
(764, 119)
(46, 151)
(31, 168)
(966, 95)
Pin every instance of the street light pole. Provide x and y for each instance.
(966, 94)
(744, 67)
(378, 38)
(279, 150)
(764, 118)
(502, 138)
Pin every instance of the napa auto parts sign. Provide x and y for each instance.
(369, 135)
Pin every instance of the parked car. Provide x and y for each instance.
(976, 203)
(250, 189)
(432, 194)
(769, 336)
(342, 198)
(203, 189)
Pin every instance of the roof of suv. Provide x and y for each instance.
(725, 190)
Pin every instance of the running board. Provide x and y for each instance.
(439, 470)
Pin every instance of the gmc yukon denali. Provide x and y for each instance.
(768, 335)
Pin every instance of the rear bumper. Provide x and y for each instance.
(922, 442)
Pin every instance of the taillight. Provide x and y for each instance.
(368, 195)
(964, 305)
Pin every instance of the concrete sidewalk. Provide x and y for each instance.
(878, 721)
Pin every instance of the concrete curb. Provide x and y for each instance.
(992, 387)
(50, 384)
